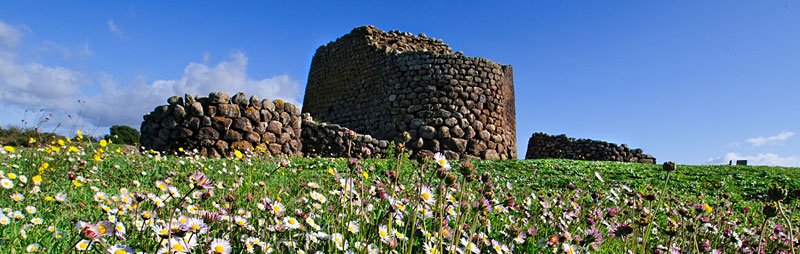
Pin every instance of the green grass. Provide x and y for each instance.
(551, 198)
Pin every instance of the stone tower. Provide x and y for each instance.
(384, 83)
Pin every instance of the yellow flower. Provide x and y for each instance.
(103, 143)
(37, 179)
(44, 166)
(61, 142)
(238, 154)
(72, 149)
(76, 183)
(10, 149)
(31, 140)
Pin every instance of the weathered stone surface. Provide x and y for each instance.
(456, 131)
(269, 137)
(178, 111)
(490, 154)
(260, 128)
(221, 146)
(455, 144)
(268, 105)
(255, 102)
(221, 123)
(427, 132)
(444, 132)
(169, 122)
(219, 98)
(188, 99)
(240, 99)
(242, 124)
(181, 133)
(242, 145)
(193, 123)
(232, 135)
(274, 127)
(207, 133)
(211, 111)
(195, 109)
(485, 135)
(228, 110)
(175, 100)
(252, 137)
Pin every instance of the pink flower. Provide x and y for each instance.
(95, 231)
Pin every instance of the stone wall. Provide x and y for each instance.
(542, 146)
(332, 140)
(219, 123)
(383, 83)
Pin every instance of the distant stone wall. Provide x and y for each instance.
(219, 123)
(383, 83)
(332, 140)
(542, 146)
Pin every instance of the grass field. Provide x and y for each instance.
(69, 197)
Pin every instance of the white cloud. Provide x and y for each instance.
(767, 159)
(128, 104)
(9, 35)
(33, 83)
(114, 29)
(759, 141)
(57, 89)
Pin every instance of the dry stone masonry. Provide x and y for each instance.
(542, 146)
(332, 140)
(219, 123)
(384, 83)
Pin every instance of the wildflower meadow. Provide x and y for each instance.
(72, 196)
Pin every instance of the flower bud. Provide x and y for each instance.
(770, 210)
(669, 166)
(776, 193)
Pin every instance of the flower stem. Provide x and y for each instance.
(789, 223)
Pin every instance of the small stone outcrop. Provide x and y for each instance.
(218, 124)
(544, 146)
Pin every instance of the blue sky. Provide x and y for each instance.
(696, 82)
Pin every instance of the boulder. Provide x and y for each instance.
(241, 100)
(228, 110)
(219, 98)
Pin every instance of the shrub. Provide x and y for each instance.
(122, 134)
(17, 136)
